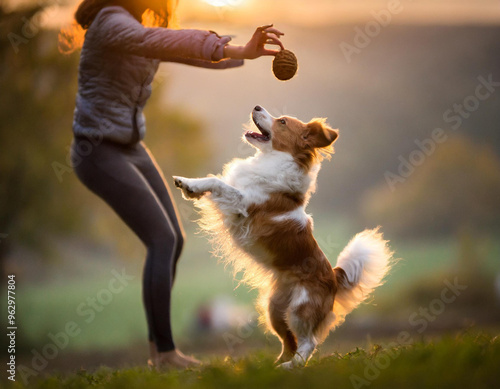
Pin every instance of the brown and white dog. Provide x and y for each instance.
(255, 215)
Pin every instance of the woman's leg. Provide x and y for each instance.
(148, 166)
(153, 174)
(110, 172)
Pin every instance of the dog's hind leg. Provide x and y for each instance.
(278, 305)
(303, 317)
(306, 344)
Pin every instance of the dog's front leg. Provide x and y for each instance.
(228, 198)
(192, 188)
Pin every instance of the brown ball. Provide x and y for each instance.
(285, 65)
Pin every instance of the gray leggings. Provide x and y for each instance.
(129, 180)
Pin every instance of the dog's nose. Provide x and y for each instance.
(258, 108)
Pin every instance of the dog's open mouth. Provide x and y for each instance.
(263, 136)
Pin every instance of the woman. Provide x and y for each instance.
(119, 59)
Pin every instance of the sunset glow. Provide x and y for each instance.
(312, 13)
(224, 3)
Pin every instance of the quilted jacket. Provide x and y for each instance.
(118, 61)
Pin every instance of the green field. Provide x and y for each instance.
(114, 334)
(465, 361)
(45, 307)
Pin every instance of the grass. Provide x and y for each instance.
(468, 360)
(47, 306)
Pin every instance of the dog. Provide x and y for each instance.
(254, 214)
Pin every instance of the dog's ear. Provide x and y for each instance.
(318, 134)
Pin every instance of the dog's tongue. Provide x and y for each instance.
(256, 135)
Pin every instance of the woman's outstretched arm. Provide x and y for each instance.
(116, 29)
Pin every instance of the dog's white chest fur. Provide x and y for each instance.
(259, 176)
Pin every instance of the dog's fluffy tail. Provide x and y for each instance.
(361, 267)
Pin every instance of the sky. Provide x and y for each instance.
(328, 12)
(310, 12)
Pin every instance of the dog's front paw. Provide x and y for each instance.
(188, 189)
(179, 182)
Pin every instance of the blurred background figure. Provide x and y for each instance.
(221, 313)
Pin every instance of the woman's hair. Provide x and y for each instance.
(71, 37)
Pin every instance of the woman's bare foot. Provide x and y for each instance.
(153, 352)
(172, 360)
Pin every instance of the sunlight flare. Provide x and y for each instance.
(224, 3)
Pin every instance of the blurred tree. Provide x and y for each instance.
(35, 120)
(40, 197)
(456, 187)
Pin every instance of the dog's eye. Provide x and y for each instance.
(283, 121)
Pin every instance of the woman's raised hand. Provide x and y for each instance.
(255, 48)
